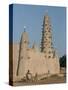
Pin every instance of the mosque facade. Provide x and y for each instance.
(41, 63)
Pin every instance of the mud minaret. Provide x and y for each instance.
(46, 42)
(22, 53)
(47, 46)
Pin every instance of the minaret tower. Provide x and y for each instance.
(47, 47)
(46, 42)
(22, 53)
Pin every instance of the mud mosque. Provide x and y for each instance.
(31, 61)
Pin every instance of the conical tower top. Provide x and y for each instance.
(34, 47)
(46, 20)
(24, 28)
(24, 36)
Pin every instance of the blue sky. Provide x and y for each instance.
(31, 16)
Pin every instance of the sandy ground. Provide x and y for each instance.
(49, 80)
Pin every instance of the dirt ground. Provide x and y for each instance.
(48, 80)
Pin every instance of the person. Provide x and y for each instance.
(28, 75)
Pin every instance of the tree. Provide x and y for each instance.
(63, 61)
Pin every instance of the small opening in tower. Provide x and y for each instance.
(44, 51)
(49, 56)
(49, 51)
(48, 30)
(28, 57)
